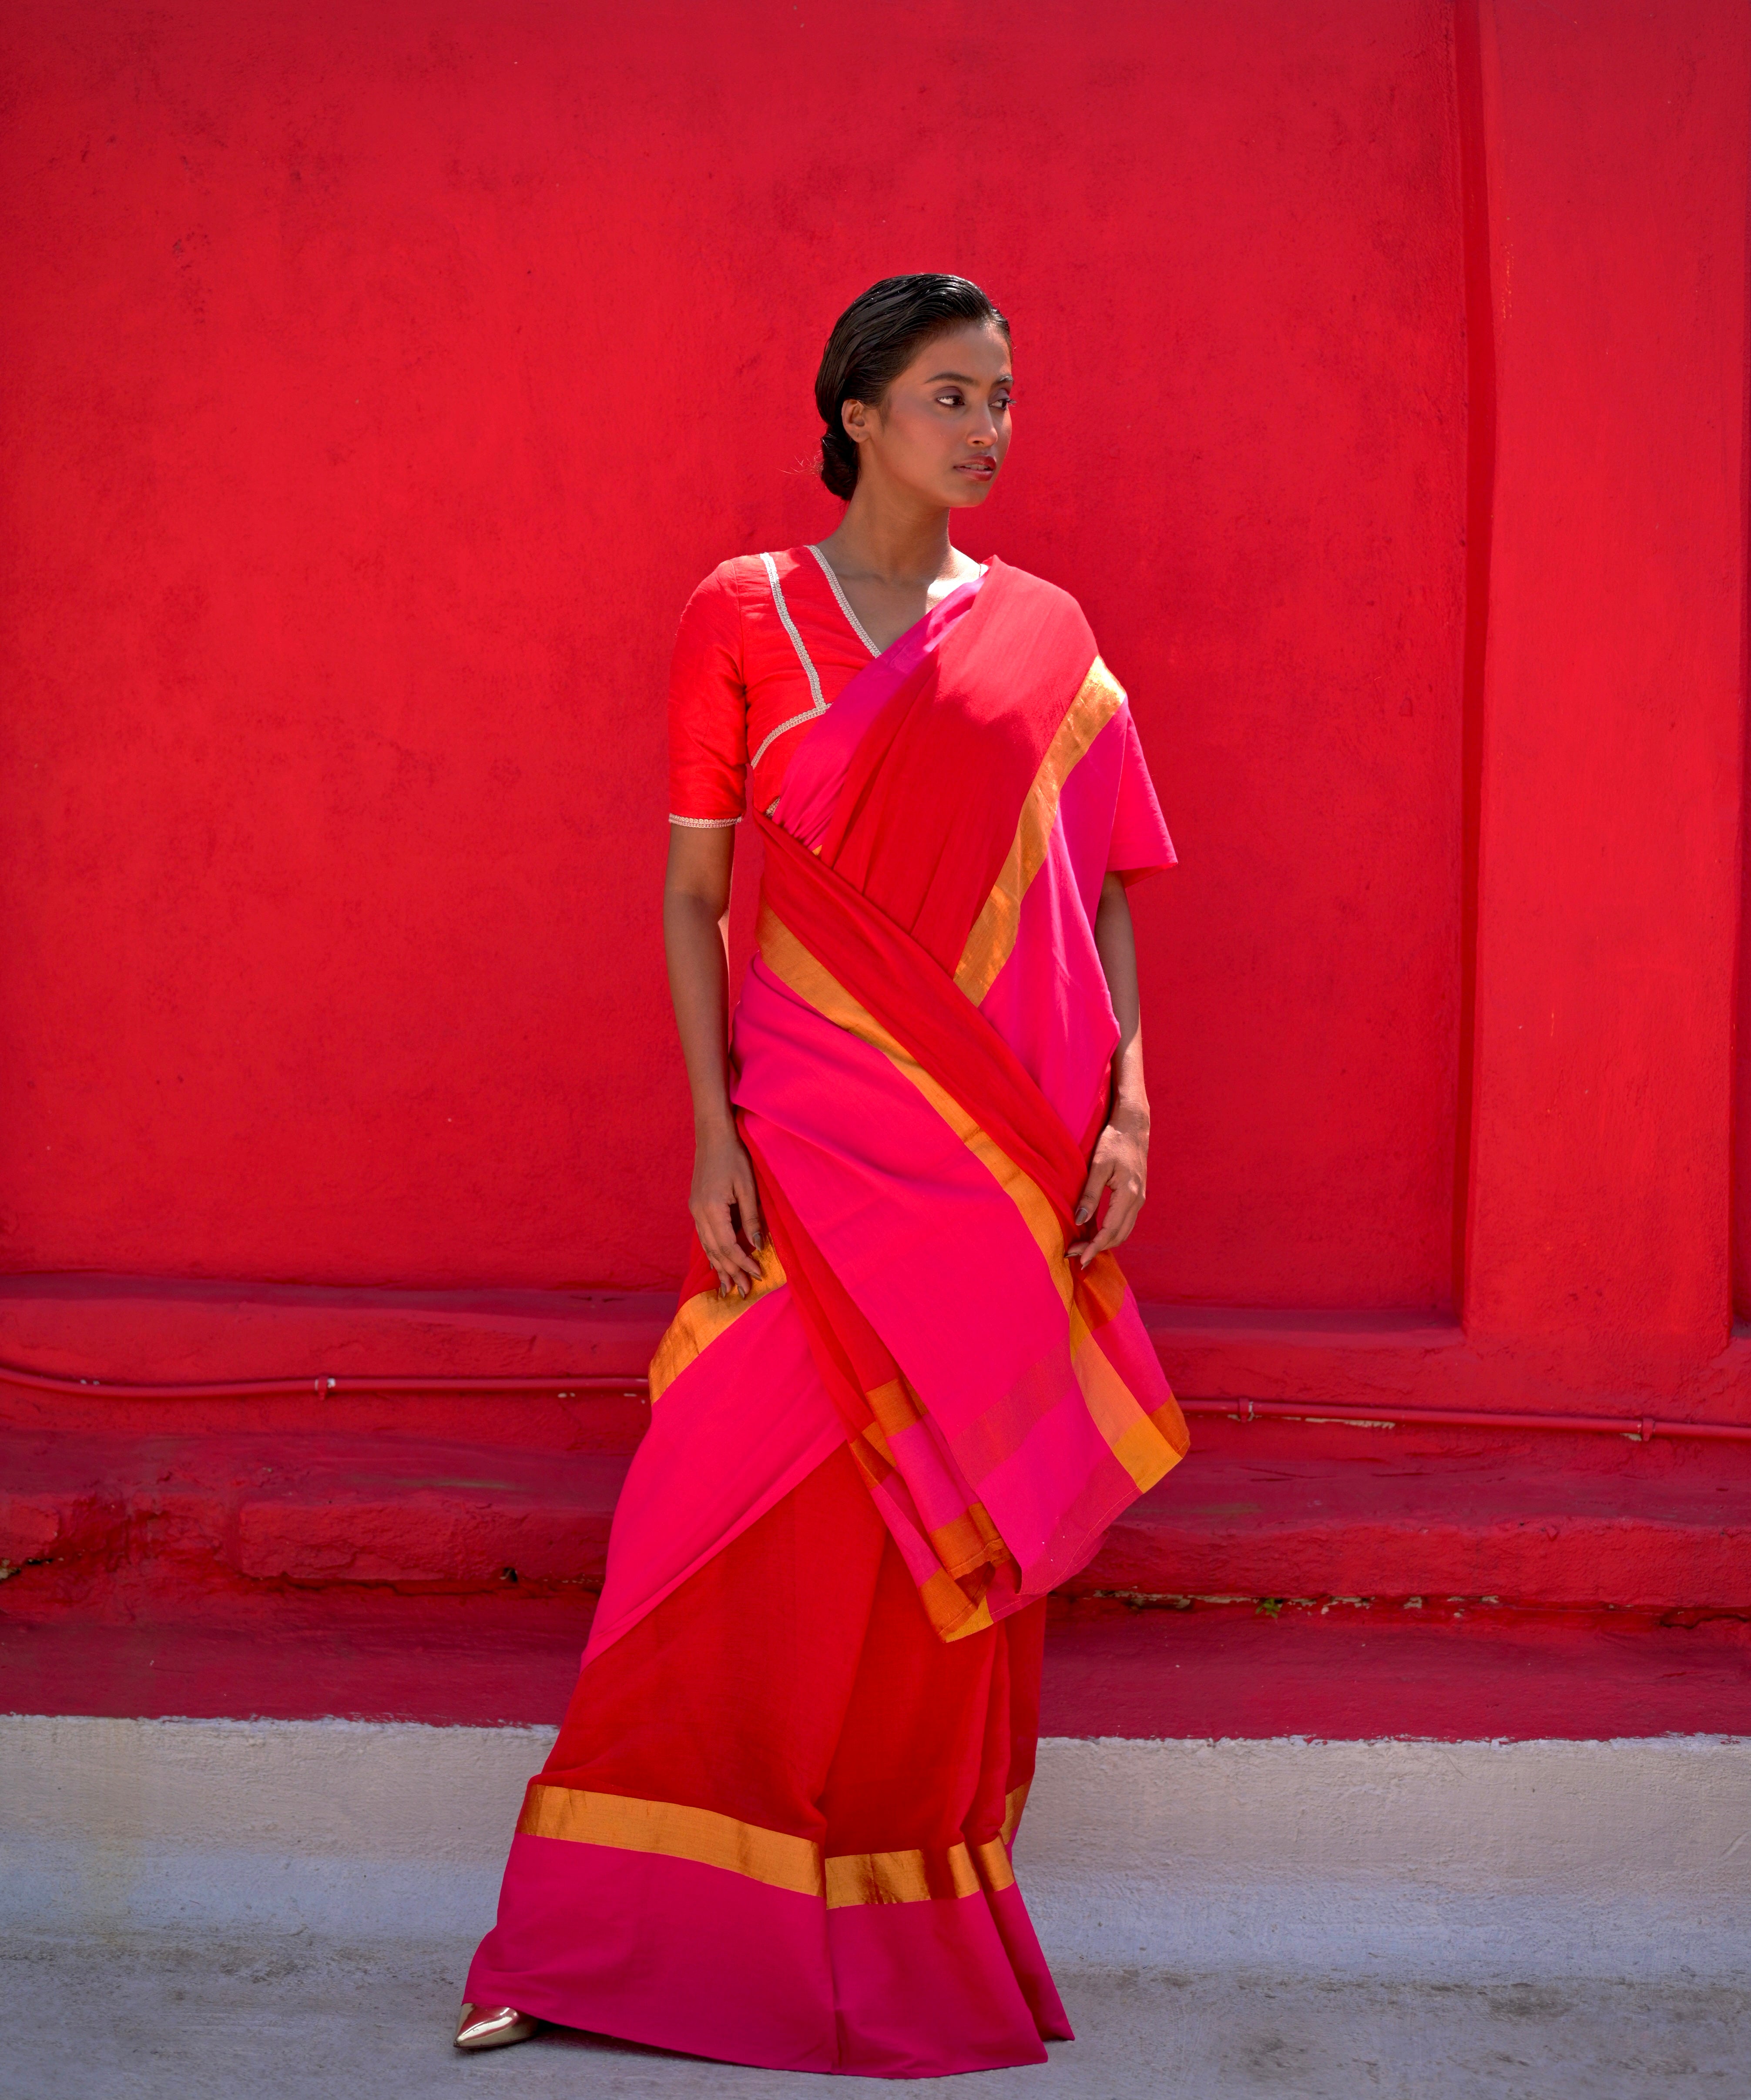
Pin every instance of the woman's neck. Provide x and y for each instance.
(899, 544)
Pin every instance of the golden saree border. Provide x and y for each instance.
(776, 1858)
(703, 1318)
(992, 941)
(1014, 1801)
(967, 1541)
(676, 1832)
(951, 1612)
(1132, 1436)
(955, 1601)
(918, 1876)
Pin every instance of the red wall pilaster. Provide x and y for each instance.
(1615, 167)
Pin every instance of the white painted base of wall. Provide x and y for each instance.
(1478, 1861)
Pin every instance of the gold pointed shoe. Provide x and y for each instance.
(493, 2026)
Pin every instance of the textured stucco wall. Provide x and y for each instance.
(380, 381)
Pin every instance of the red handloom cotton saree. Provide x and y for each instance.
(775, 1827)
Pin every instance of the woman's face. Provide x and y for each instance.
(943, 431)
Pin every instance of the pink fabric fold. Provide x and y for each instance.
(717, 1456)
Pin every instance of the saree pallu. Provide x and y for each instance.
(775, 1828)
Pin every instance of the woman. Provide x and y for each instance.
(907, 1387)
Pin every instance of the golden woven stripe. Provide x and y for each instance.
(969, 1541)
(703, 1318)
(775, 1857)
(918, 1876)
(949, 1610)
(895, 1406)
(628, 1825)
(1014, 1801)
(993, 938)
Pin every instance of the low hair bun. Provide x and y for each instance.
(872, 342)
(839, 462)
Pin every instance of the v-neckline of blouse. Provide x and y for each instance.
(857, 625)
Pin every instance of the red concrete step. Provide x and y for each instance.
(1395, 1523)
(1248, 1519)
(1361, 1671)
(511, 1656)
(315, 1508)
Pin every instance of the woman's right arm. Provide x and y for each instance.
(695, 903)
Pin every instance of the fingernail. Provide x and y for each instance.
(1084, 1212)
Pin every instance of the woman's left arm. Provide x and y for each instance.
(1120, 1161)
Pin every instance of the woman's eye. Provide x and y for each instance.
(950, 400)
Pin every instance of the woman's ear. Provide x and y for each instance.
(855, 417)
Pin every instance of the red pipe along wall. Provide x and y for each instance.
(381, 380)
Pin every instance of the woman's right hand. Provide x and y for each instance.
(724, 1196)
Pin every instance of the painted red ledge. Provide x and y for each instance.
(149, 1330)
(1209, 1671)
(1261, 1511)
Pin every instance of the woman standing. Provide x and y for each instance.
(907, 1388)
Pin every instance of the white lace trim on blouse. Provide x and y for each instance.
(802, 657)
(844, 603)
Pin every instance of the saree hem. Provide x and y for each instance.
(677, 1954)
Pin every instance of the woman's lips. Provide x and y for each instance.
(981, 469)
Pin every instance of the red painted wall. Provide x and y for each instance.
(380, 379)
(1612, 740)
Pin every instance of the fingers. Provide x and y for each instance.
(747, 1207)
(715, 1218)
(1101, 1173)
(1120, 1217)
(736, 1271)
(1116, 1168)
(712, 1221)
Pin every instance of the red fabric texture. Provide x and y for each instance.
(968, 1564)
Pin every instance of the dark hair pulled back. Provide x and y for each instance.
(874, 340)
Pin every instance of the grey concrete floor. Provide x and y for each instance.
(130, 2018)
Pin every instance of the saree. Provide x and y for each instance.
(776, 1825)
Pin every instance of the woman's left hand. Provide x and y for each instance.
(1121, 1164)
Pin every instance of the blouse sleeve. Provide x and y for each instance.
(707, 709)
(1139, 843)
